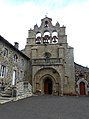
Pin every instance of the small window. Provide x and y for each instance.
(15, 58)
(14, 77)
(22, 62)
(46, 23)
(21, 75)
(2, 71)
(5, 52)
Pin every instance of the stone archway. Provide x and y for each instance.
(47, 81)
(48, 85)
(82, 88)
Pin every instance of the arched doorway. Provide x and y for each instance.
(82, 88)
(48, 86)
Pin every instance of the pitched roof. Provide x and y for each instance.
(14, 48)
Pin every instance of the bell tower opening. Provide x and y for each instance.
(48, 86)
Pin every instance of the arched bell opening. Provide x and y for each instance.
(46, 37)
(38, 38)
(54, 37)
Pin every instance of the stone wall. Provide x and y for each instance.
(13, 60)
(23, 88)
(81, 78)
(45, 49)
(81, 72)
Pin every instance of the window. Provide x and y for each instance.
(46, 23)
(15, 58)
(22, 62)
(2, 71)
(5, 52)
(21, 75)
(14, 77)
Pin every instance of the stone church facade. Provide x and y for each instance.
(49, 62)
(52, 59)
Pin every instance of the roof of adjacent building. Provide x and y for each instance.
(14, 48)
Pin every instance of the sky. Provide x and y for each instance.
(18, 16)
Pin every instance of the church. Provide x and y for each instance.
(48, 60)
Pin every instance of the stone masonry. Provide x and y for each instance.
(51, 58)
(14, 65)
(46, 64)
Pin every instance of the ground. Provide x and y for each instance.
(47, 107)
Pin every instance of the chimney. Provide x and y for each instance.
(16, 45)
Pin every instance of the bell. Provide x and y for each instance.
(54, 41)
(37, 40)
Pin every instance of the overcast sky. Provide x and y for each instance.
(18, 16)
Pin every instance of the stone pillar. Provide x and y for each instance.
(62, 79)
(50, 37)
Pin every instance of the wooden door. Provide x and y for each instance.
(82, 88)
(48, 86)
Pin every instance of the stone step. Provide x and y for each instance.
(5, 100)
